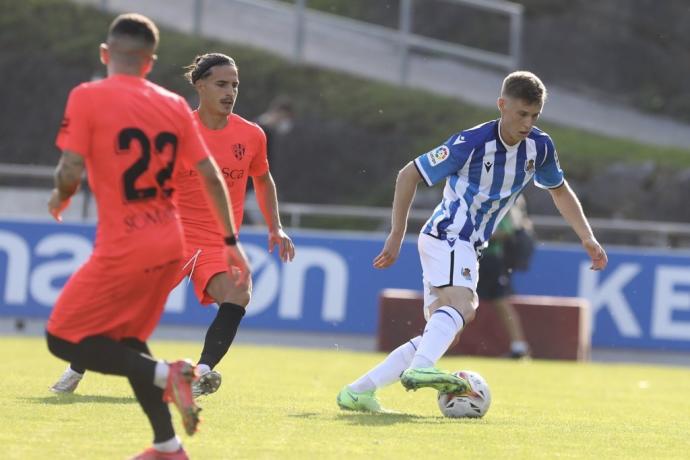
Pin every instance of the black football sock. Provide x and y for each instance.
(104, 355)
(130, 358)
(221, 333)
(150, 398)
(77, 369)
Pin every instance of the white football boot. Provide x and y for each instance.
(206, 384)
(68, 382)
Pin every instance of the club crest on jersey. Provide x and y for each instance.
(238, 151)
(529, 166)
(467, 274)
(438, 155)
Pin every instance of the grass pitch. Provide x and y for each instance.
(279, 403)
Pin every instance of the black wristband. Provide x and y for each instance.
(231, 240)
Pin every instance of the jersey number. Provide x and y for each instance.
(139, 167)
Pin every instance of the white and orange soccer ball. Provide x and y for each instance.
(475, 404)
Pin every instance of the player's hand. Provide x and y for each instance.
(57, 204)
(238, 263)
(390, 252)
(596, 253)
(279, 238)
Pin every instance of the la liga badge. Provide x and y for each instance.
(438, 155)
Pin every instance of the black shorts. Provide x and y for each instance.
(494, 278)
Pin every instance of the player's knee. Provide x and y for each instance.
(468, 314)
(464, 301)
(239, 297)
(244, 298)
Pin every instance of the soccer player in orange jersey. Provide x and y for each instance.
(131, 136)
(239, 148)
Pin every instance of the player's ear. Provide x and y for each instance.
(148, 65)
(103, 51)
(501, 103)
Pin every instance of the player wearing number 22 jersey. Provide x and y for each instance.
(132, 135)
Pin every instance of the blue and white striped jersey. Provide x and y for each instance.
(484, 177)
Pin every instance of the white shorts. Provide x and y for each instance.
(445, 265)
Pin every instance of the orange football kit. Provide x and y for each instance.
(133, 136)
(239, 149)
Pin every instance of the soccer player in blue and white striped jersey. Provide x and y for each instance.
(485, 168)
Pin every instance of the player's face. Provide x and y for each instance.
(218, 91)
(517, 118)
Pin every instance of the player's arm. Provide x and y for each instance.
(217, 194)
(570, 208)
(405, 189)
(267, 197)
(67, 178)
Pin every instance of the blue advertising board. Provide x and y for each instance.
(642, 300)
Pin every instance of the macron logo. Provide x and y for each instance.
(459, 140)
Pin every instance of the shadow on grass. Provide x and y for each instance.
(356, 418)
(60, 399)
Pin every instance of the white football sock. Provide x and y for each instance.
(171, 445)
(203, 368)
(519, 346)
(389, 370)
(160, 376)
(439, 333)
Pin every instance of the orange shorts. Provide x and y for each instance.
(202, 264)
(102, 299)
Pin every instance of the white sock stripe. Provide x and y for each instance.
(455, 315)
(445, 312)
(415, 339)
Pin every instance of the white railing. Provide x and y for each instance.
(638, 232)
(408, 41)
(405, 40)
(667, 234)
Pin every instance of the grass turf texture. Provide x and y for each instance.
(280, 403)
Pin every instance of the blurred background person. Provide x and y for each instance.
(510, 248)
(277, 121)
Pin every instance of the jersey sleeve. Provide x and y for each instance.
(259, 163)
(446, 159)
(75, 129)
(192, 147)
(549, 173)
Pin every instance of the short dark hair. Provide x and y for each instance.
(202, 65)
(135, 26)
(524, 85)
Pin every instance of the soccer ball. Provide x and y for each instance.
(472, 405)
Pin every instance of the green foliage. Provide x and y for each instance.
(351, 137)
(280, 403)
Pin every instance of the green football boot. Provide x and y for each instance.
(431, 377)
(360, 402)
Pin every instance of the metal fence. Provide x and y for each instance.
(405, 40)
(309, 215)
